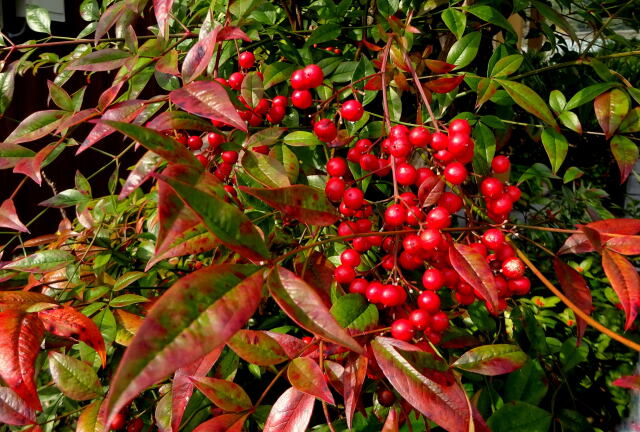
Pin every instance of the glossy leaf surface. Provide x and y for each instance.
(474, 270)
(291, 412)
(305, 375)
(575, 288)
(257, 347)
(492, 360)
(75, 378)
(13, 410)
(625, 281)
(225, 394)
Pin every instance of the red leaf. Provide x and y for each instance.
(291, 345)
(371, 46)
(375, 83)
(21, 300)
(31, 166)
(231, 33)
(195, 240)
(625, 245)
(303, 305)
(439, 67)
(291, 412)
(629, 381)
(299, 202)
(575, 288)
(335, 375)
(109, 18)
(109, 95)
(199, 56)
(593, 236)
(208, 99)
(77, 118)
(444, 85)
(223, 423)
(170, 120)
(579, 243)
(576, 244)
(305, 375)
(101, 60)
(197, 314)
(391, 423)
(491, 360)
(430, 191)
(13, 410)
(168, 63)
(611, 107)
(162, 8)
(474, 270)
(626, 154)
(257, 347)
(20, 337)
(125, 111)
(182, 387)
(224, 394)
(143, 170)
(353, 378)
(65, 321)
(317, 271)
(625, 281)
(9, 217)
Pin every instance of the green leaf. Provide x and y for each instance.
(90, 419)
(507, 65)
(631, 122)
(611, 108)
(527, 384)
(572, 354)
(257, 347)
(557, 101)
(388, 7)
(556, 146)
(491, 15)
(101, 60)
(354, 311)
(571, 121)
(485, 148)
(35, 126)
(7, 86)
(66, 198)
(464, 50)
(75, 378)
(492, 360)
(252, 89)
(38, 19)
(42, 261)
(324, 33)
(571, 174)
(557, 19)
(587, 94)
(224, 220)
(537, 170)
(127, 300)
(521, 417)
(486, 89)
(90, 10)
(301, 139)
(455, 20)
(198, 313)
(224, 394)
(265, 169)
(277, 72)
(395, 104)
(127, 279)
(529, 101)
(626, 154)
(305, 375)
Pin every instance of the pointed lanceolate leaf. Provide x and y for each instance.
(291, 412)
(391, 423)
(36, 126)
(492, 360)
(65, 321)
(438, 66)
(626, 154)
(575, 288)
(265, 169)
(199, 56)
(529, 101)
(353, 377)
(208, 99)
(474, 270)
(41, 262)
(124, 112)
(354, 311)
(13, 410)
(625, 282)
(192, 241)
(625, 245)
(303, 305)
(75, 378)
(611, 108)
(291, 345)
(101, 60)
(170, 120)
(142, 171)
(224, 394)
(629, 381)
(20, 337)
(257, 347)
(21, 300)
(162, 8)
(197, 314)
(444, 84)
(223, 423)
(305, 375)
(300, 202)
(556, 146)
(90, 419)
(9, 217)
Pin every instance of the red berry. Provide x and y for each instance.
(500, 164)
(363, 145)
(514, 193)
(502, 206)
(246, 60)
(423, 174)
(235, 80)
(406, 174)
(369, 162)
(215, 140)
(298, 80)
(344, 274)
(412, 244)
(458, 144)
(280, 101)
(222, 81)
(429, 301)
(455, 173)
(444, 156)
(350, 257)
(520, 286)
(402, 329)
(431, 238)
(460, 126)
(395, 215)
(432, 279)
(400, 147)
(393, 295)
(135, 425)
(451, 202)
(438, 218)
(353, 198)
(301, 99)
(439, 322)
(313, 75)
(203, 160)
(276, 114)
(399, 131)
(420, 319)
(230, 156)
(352, 110)
(505, 251)
(479, 248)
(439, 141)
(414, 216)
(374, 291)
(194, 142)
(491, 187)
(336, 167)
(493, 238)
(325, 130)
(513, 268)
(118, 421)
(386, 398)
(358, 286)
(361, 244)
(420, 136)
(334, 189)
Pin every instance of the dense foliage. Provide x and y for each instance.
(356, 215)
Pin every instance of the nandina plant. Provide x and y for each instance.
(345, 216)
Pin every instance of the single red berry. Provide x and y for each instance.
(500, 164)
(336, 167)
(444, 156)
(182, 139)
(395, 215)
(429, 301)
(203, 160)
(298, 80)
(450, 201)
(402, 329)
(513, 268)
(458, 144)
(439, 322)
(358, 286)
(439, 141)
(194, 142)
(406, 174)
(363, 145)
(246, 60)
(313, 75)
(423, 174)
(325, 130)
(431, 238)
(432, 279)
(222, 81)
(505, 251)
(438, 218)
(235, 80)
(118, 421)
(460, 126)
(520, 286)
(215, 140)
(301, 99)
(493, 238)
(135, 425)
(412, 244)
(344, 274)
(353, 198)
(491, 187)
(479, 248)
(400, 147)
(369, 162)
(415, 215)
(393, 295)
(276, 114)
(361, 244)
(420, 136)
(514, 193)
(280, 101)
(455, 173)
(502, 206)
(352, 110)
(350, 257)
(230, 156)
(399, 131)
(334, 189)
(420, 319)
(374, 291)
(307, 339)
(386, 398)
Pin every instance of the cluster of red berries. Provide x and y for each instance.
(302, 81)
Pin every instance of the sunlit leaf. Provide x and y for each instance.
(101, 60)
(626, 154)
(611, 108)
(42, 261)
(474, 270)
(291, 412)
(305, 375)
(625, 281)
(225, 394)
(529, 101)
(257, 347)
(75, 378)
(13, 410)
(496, 359)
(9, 218)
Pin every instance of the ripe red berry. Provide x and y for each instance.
(194, 142)
(420, 319)
(429, 301)
(455, 173)
(402, 329)
(505, 251)
(235, 80)
(358, 286)
(395, 215)
(374, 291)
(399, 131)
(230, 156)
(352, 110)
(301, 99)
(400, 147)
(135, 425)
(458, 144)
(414, 215)
(325, 130)
(439, 141)
(276, 114)
(246, 60)
(344, 274)
(118, 421)
(460, 126)
(432, 279)
(420, 136)
(438, 218)
(406, 174)
(334, 189)
(353, 198)
(450, 201)
(350, 257)
(313, 75)
(439, 322)
(431, 238)
(513, 268)
(502, 206)
(500, 164)
(361, 244)
(336, 167)
(298, 80)
(369, 162)
(203, 160)
(280, 101)
(386, 398)
(514, 193)
(520, 286)
(491, 187)
(393, 295)
(214, 139)
(493, 238)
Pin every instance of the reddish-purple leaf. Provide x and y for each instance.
(20, 337)
(491, 360)
(224, 394)
(109, 95)
(430, 191)
(626, 154)
(77, 118)
(199, 56)
(101, 60)
(625, 282)
(576, 244)
(305, 375)
(208, 99)
(31, 166)
(611, 107)
(142, 171)
(335, 376)
(391, 424)
(170, 120)
(182, 386)
(304, 306)
(474, 270)
(162, 8)
(35, 126)
(194, 240)
(593, 236)
(291, 345)
(9, 218)
(231, 33)
(317, 271)
(257, 347)
(109, 18)
(625, 245)
(299, 202)
(197, 314)
(580, 243)
(125, 112)
(21, 300)
(353, 378)
(223, 423)
(13, 410)
(444, 85)
(439, 67)
(291, 412)
(629, 381)
(575, 288)
(67, 322)
(435, 394)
